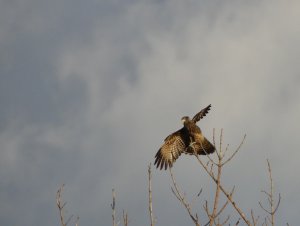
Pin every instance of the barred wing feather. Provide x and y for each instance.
(201, 114)
(174, 145)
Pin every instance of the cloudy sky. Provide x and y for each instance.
(89, 90)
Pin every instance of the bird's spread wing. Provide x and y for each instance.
(201, 114)
(201, 148)
(174, 145)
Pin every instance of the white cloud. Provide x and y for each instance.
(236, 64)
(153, 63)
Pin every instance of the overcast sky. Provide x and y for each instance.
(90, 89)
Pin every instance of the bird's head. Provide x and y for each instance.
(185, 119)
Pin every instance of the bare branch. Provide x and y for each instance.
(214, 141)
(113, 207)
(261, 206)
(181, 198)
(205, 207)
(224, 206)
(60, 205)
(223, 190)
(254, 220)
(226, 149)
(266, 222)
(217, 181)
(221, 210)
(220, 147)
(279, 198)
(234, 153)
(217, 193)
(195, 198)
(176, 195)
(150, 196)
(206, 154)
(199, 192)
(270, 198)
(226, 220)
(69, 219)
(263, 191)
(125, 218)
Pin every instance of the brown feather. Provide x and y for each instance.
(174, 145)
(201, 148)
(201, 114)
(188, 139)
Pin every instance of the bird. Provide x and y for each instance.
(189, 140)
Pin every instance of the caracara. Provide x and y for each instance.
(188, 140)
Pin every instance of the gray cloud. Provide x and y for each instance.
(90, 90)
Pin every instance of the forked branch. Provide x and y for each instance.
(254, 220)
(220, 164)
(182, 199)
(270, 197)
(61, 205)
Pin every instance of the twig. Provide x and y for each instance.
(77, 220)
(150, 196)
(216, 180)
(217, 193)
(253, 218)
(270, 196)
(69, 219)
(214, 141)
(113, 207)
(266, 223)
(226, 149)
(234, 153)
(181, 198)
(206, 154)
(221, 139)
(125, 218)
(224, 206)
(206, 209)
(221, 187)
(197, 196)
(225, 221)
(60, 205)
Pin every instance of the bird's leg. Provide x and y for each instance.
(192, 145)
(192, 142)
